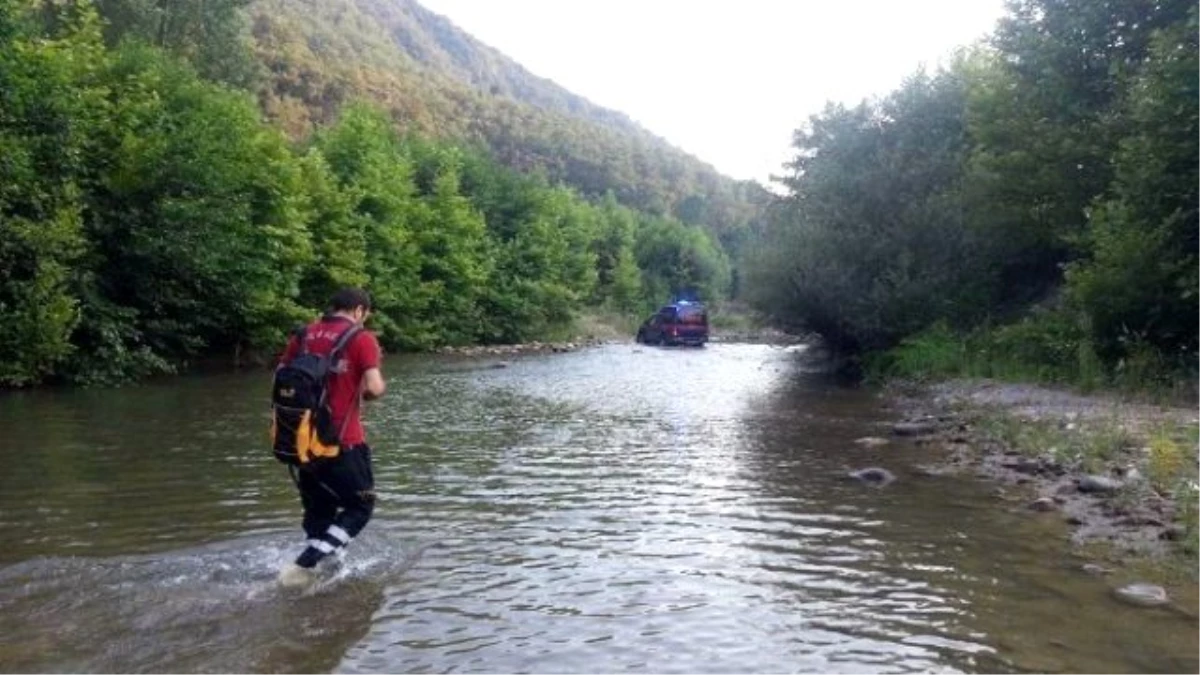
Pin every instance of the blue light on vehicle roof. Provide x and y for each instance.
(687, 296)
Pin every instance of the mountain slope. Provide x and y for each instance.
(434, 41)
(436, 79)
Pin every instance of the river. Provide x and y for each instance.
(615, 509)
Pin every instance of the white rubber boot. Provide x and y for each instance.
(295, 576)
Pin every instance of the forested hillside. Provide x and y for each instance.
(433, 41)
(435, 79)
(1028, 211)
(188, 180)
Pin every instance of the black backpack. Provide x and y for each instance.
(302, 427)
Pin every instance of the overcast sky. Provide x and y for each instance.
(727, 81)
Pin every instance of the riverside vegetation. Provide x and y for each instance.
(1028, 212)
(1025, 215)
(151, 217)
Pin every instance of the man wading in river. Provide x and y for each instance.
(326, 371)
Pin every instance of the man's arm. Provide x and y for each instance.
(373, 385)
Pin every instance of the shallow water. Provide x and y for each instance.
(620, 509)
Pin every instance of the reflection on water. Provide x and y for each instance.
(618, 509)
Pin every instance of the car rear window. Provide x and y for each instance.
(692, 315)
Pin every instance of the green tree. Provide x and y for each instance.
(1046, 124)
(51, 104)
(542, 239)
(210, 34)
(547, 269)
(196, 216)
(455, 266)
(619, 281)
(364, 153)
(339, 240)
(674, 257)
(1138, 280)
(872, 243)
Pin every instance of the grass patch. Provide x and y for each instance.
(1088, 445)
(1165, 462)
(1187, 501)
(735, 321)
(1170, 466)
(601, 325)
(1028, 437)
(1165, 456)
(1045, 348)
(937, 353)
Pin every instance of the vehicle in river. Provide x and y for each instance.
(679, 323)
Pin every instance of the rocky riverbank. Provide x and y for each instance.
(1117, 472)
(525, 348)
(756, 336)
(769, 336)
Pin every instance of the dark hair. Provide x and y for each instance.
(349, 299)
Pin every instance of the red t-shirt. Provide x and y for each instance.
(359, 356)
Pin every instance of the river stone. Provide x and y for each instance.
(912, 428)
(1142, 595)
(1094, 483)
(1025, 465)
(1141, 519)
(873, 475)
(1043, 504)
(1094, 569)
(871, 441)
(1172, 533)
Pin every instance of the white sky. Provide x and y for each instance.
(723, 80)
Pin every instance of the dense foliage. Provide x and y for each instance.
(1036, 198)
(149, 217)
